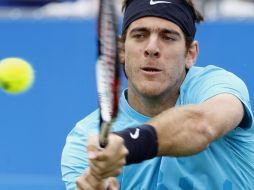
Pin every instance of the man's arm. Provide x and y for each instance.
(180, 131)
(187, 130)
(89, 182)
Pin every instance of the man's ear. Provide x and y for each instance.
(192, 54)
(121, 49)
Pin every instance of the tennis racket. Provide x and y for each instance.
(107, 68)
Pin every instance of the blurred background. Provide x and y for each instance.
(58, 37)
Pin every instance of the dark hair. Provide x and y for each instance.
(197, 19)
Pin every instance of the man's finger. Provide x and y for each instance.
(113, 184)
(112, 170)
(82, 184)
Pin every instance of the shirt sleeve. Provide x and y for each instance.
(217, 81)
(74, 156)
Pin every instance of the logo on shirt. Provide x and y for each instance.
(152, 2)
(136, 134)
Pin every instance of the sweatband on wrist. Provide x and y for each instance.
(176, 11)
(141, 142)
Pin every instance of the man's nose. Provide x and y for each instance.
(152, 49)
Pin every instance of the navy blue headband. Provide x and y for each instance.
(176, 11)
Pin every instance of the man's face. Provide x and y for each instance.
(155, 57)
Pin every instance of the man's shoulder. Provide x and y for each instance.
(88, 124)
(209, 69)
(210, 72)
(90, 119)
(202, 83)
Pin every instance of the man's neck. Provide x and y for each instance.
(151, 106)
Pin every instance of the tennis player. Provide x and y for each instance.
(180, 127)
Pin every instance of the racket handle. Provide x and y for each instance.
(105, 130)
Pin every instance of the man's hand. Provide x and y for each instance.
(107, 162)
(89, 182)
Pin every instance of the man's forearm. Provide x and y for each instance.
(190, 129)
(181, 131)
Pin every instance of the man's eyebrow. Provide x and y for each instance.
(170, 31)
(161, 30)
(139, 29)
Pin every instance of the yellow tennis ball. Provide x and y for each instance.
(16, 75)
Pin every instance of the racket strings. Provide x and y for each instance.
(107, 66)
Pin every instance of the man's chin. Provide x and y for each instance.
(151, 92)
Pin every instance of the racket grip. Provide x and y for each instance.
(103, 137)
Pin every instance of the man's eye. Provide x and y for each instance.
(169, 38)
(138, 36)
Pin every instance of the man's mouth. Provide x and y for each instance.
(150, 69)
